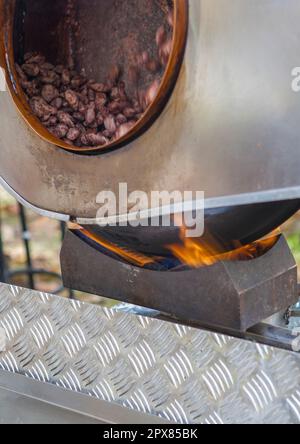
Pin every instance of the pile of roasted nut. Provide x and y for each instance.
(83, 112)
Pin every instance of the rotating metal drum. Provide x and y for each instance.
(225, 120)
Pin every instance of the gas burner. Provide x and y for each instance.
(230, 296)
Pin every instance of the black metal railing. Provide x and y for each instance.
(8, 275)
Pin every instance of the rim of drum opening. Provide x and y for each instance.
(168, 82)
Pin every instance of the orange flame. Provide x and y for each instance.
(198, 253)
(192, 252)
(128, 255)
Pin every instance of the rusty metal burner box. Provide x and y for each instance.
(228, 295)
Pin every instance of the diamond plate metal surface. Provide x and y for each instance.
(178, 373)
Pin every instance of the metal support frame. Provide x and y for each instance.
(74, 402)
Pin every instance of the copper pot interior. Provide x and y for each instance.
(109, 33)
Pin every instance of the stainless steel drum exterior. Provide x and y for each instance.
(231, 128)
